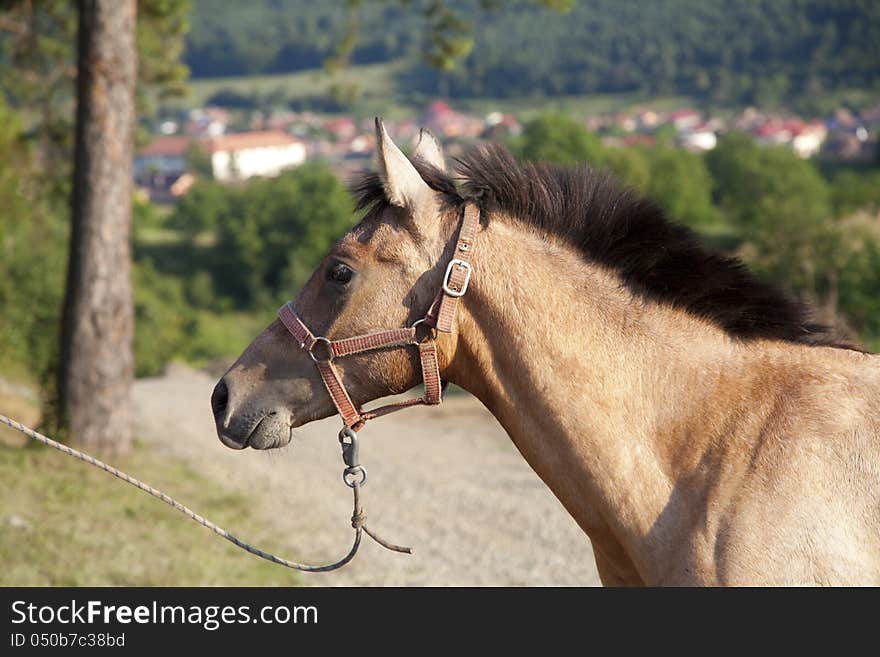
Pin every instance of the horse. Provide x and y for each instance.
(696, 423)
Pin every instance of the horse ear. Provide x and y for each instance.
(428, 150)
(404, 186)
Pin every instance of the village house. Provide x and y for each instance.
(807, 141)
(624, 122)
(341, 128)
(804, 138)
(233, 157)
(647, 118)
(448, 123)
(165, 156)
(684, 119)
(248, 154)
(160, 165)
(700, 138)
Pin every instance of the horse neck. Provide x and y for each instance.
(593, 385)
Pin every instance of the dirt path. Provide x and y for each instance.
(458, 492)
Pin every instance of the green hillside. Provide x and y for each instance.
(757, 51)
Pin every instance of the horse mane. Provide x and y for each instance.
(613, 226)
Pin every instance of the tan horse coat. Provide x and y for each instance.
(685, 456)
(688, 456)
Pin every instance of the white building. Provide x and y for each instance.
(699, 140)
(809, 141)
(247, 154)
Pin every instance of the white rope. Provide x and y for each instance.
(91, 460)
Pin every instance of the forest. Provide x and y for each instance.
(763, 52)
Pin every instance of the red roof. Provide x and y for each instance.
(341, 123)
(439, 108)
(167, 146)
(245, 140)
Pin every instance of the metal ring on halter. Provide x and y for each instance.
(329, 350)
(352, 472)
(423, 320)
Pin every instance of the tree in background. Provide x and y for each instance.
(821, 241)
(757, 185)
(853, 274)
(39, 66)
(97, 364)
(676, 180)
(779, 203)
(448, 33)
(559, 139)
(631, 166)
(855, 190)
(270, 233)
(757, 52)
(31, 258)
(200, 209)
(680, 183)
(38, 71)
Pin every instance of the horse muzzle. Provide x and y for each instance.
(258, 429)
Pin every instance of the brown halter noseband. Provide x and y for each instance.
(440, 317)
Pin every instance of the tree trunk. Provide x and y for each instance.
(97, 363)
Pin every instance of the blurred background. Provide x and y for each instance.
(753, 122)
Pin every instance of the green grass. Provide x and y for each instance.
(379, 94)
(374, 81)
(592, 105)
(157, 236)
(18, 406)
(65, 523)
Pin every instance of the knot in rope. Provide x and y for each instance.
(358, 519)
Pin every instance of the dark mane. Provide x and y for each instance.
(611, 225)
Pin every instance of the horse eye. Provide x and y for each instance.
(339, 273)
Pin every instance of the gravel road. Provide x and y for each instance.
(446, 481)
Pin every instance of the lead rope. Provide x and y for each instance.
(354, 476)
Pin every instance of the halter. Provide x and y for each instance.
(440, 318)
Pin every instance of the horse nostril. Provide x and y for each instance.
(220, 400)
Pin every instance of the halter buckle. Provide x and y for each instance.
(462, 264)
